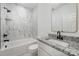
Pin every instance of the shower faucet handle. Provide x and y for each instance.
(6, 40)
(5, 35)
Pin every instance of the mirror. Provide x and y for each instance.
(64, 18)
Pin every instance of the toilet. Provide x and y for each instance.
(33, 49)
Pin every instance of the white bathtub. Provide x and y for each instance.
(18, 47)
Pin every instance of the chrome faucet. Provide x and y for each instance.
(59, 36)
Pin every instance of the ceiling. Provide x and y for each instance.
(57, 5)
(28, 5)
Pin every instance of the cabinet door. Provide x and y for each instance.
(69, 18)
(41, 52)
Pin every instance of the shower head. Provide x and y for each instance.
(7, 9)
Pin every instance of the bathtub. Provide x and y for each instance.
(18, 47)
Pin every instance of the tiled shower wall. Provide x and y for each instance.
(20, 23)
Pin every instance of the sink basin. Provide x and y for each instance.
(53, 41)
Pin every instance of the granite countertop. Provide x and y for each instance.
(71, 50)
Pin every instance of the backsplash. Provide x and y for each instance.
(70, 38)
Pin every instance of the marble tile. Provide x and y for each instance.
(73, 41)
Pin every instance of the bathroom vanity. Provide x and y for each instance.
(55, 47)
(46, 50)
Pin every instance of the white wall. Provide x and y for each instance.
(44, 21)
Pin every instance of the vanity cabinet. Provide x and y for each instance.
(46, 50)
(64, 18)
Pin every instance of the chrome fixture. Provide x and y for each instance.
(5, 36)
(6, 40)
(59, 35)
(7, 9)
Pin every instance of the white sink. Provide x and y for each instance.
(64, 44)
